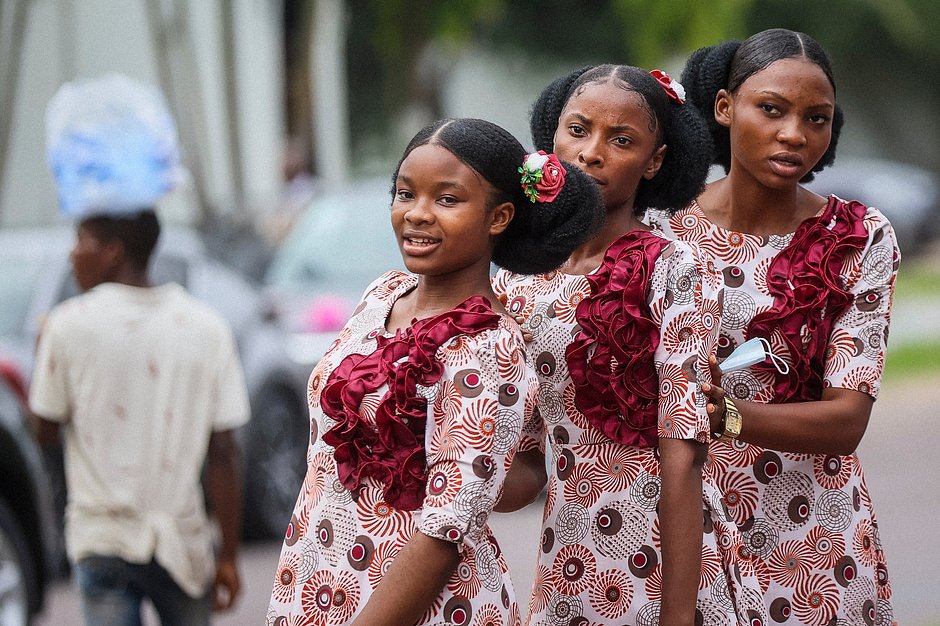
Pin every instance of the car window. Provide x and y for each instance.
(340, 245)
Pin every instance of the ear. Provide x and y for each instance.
(113, 253)
(655, 162)
(500, 217)
(724, 103)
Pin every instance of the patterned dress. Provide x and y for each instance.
(340, 542)
(599, 561)
(807, 520)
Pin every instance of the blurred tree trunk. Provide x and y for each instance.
(232, 109)
(328, 84)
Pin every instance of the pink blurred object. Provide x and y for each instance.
(326, 313)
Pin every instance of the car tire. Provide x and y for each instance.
(17, 571)
(276, 463)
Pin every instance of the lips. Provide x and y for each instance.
(418, 244)
(786, 164)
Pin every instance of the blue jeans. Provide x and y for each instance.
(112, 591)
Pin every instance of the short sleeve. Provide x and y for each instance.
(855, 355)
(477, 416)
(49, 394)
(233, 409)
(684, 300)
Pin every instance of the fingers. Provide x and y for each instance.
(714, 369)
(226, 588)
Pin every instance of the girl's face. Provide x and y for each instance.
(441, 216)
(611, 135)
(780, 120)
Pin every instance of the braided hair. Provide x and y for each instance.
(728, 64)
(541, 235)
(681, 128)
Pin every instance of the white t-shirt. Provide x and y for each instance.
(140, 378)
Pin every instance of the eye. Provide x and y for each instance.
(622, 140)
(768, 108)
(577, 130)
(819, 119)
(403, 194)
(448, 200)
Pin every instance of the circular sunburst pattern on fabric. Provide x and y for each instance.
(611, 594)
(878, 265)
(648, 615)
(335, 534)
(741, 384)
(573, 569)
(834, 510)
(487, 565)
(825, 548)
(738, 309)
(488, 615)
(507, 431)
(644, 492)
(571, 524)
(832, 471)
(790, 563)
(683, 281)
(740, 494)
(619, 529)
(550, 404)
(378, 517)
(815, 600)
(864, 544)
(616, 467)
(464, 581)
(760, 537)
(788, 500)
(563, 610)
(443, 484)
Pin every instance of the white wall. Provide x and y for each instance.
(69, 39)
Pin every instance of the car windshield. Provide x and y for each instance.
(341, 244)
(17, 282)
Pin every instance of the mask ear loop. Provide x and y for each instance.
(779, 364)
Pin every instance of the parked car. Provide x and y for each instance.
(341, 243)
(37, 276)
(909, 196)
(29, 542)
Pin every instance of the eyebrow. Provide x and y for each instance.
(444, 184)
(772, 93)
(618, 128)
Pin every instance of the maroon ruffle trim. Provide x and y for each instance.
(805, 279)
(392, 452)
(617, 387)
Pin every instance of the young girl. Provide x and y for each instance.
(417, 408)
(814, 277)
(620, 337)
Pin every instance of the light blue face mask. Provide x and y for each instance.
(752, 351)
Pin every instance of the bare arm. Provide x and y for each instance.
(524, 483)
(223, 486)
(414, 579)
(834, 424)
(681, 527)
(46, 432)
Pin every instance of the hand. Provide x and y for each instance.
(227, 586)
(526, 335)
(716, 406)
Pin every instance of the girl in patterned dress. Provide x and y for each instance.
(620, 337)
(416, 409)
(814, 277)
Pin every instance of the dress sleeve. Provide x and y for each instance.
(477, 416)
(684, 300)
(856, 352)
(49, 395)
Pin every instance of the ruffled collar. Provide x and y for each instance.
(392, 451)
(610, 360)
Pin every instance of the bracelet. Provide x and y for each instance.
(730, 426)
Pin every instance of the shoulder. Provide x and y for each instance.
(876, 224)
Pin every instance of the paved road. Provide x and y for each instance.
(900, 452)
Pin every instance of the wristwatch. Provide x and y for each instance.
(730, 426)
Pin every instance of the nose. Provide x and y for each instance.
(419, 211)
(791, 133)
(591, 152)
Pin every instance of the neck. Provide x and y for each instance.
(590, 254)
(438, 294)
(739, 203)
(132, 277)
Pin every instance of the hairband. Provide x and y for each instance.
(542, 176)
(673, 88)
